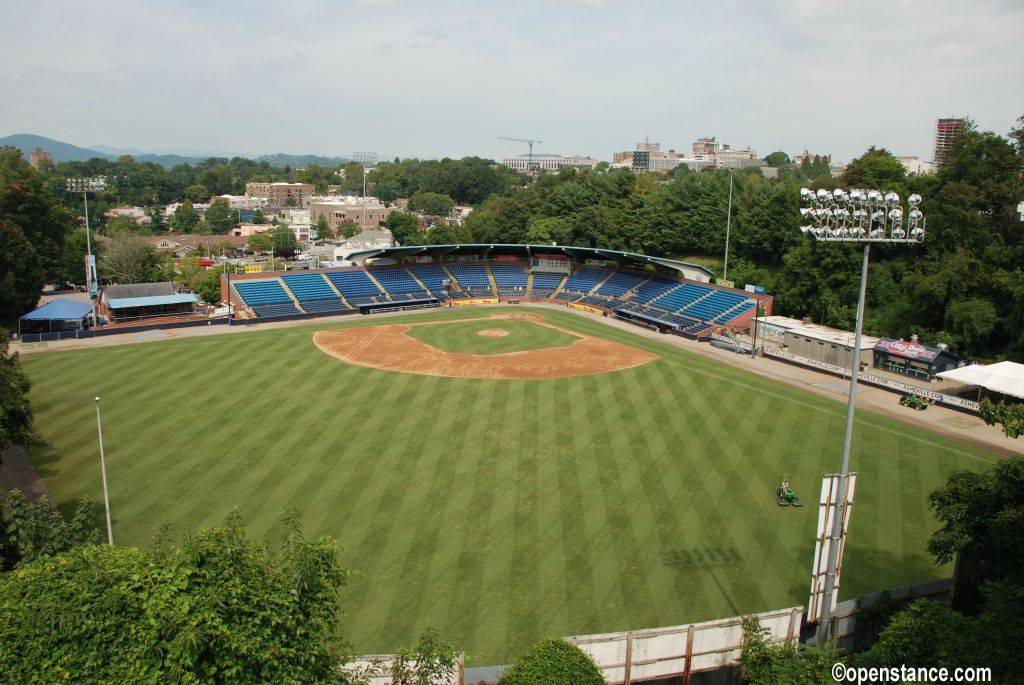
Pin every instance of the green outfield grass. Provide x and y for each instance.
(498, 511)
(465, 337)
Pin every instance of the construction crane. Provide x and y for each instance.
(528, 141)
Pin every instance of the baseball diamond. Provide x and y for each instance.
(499, 509)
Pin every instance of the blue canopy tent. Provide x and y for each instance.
(58, 315)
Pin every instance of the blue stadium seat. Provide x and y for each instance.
(396, 280)
(432, 276)
(260, 292)
(620, 283)
(472, 277)
(585, 279)
(510, 277)
(544, 283)
(309, 286)
(656, 287)
(676, 299)
(354, 285)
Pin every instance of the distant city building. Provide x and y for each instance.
(641, 161)
(367, 212)
(945, 131)
(246, 230)
(706, 148)
(728, 157)
(243, 201)
(200, 207)
(281, 193)
(136, 214)
(551, 163)
(38, 156)
(913, 165)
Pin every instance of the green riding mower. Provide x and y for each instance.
(787, 498)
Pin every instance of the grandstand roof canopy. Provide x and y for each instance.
(151, 301)
(580, 254)
(60, 310)
(1006, 378)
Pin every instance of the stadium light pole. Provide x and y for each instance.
(86, 185)
(863, 217)
(730, 165)
(103, 471)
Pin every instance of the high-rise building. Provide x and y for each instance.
(945, 131)
(38, 156)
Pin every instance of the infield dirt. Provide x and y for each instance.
(388, 347)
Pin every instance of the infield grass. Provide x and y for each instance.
(465, 337)
(499, 511)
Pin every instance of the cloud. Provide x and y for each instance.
(449, 77)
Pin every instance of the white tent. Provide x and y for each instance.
(1004, 377)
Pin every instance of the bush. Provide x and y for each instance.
(553, 662)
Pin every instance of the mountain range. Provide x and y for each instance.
(66, 152)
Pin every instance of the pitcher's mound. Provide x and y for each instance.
(492, 333)
(388, 347)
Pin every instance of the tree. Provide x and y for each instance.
(122, 224)
(983, 529)
(405, 228)
(553, 662)
(777, 159)
(764, 663)
(185, 218)
(260, 242)
(21, 274)
(284, 240)
(217, 607)
(208, 286)
(876, 168)
(72, 263)
(197, 193)
(129, 259)
(26, 202)
(1009, 416)
(15, 408)
(37, 529)
(258, 218)
(430, 662)
(219, 218)
(431, 203)
(324, 230)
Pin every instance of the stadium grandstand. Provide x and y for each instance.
(663, 294)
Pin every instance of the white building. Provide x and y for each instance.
(913, 165)
(243, 201)
(550, 163)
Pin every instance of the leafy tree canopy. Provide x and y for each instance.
(553, 662)
(217, 607)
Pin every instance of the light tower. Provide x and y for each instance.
(863, 217)
(86, 185)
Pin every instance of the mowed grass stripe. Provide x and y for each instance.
(660, 477)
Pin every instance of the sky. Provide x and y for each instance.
(446, 78)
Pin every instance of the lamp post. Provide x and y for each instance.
(86, 185)
(730, 165)
(862, 217)
(368, 160)
(103, 471)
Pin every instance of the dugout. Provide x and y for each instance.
(913, 359)
(59, 315)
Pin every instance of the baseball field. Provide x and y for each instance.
(581, 479)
